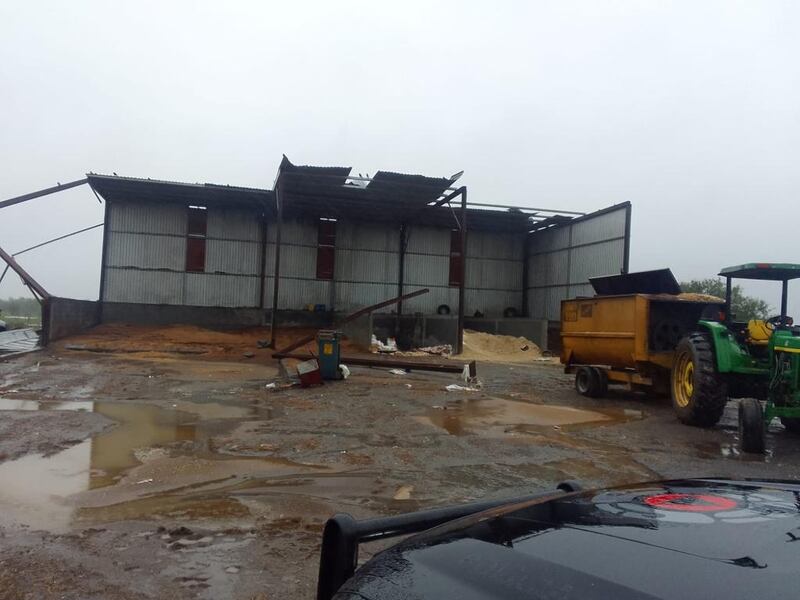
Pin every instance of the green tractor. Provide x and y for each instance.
(755, 361)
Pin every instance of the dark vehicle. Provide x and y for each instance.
(695, 538)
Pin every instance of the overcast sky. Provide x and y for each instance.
(690, 110)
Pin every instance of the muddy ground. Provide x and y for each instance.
(176, 476)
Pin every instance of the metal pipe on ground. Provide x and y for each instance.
(449, 366)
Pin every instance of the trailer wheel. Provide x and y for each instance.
(752, 428)
(791, 423)
(589, 382)
(699, 394)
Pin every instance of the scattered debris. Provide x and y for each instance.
(404, 492)
(249, 354)
(377, 345)
(397, 372)
(262, 343)
(344, 370)
(150, 480)
(454, 387)
(309, 373)
(441, 350)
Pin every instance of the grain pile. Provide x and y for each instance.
(488, 347)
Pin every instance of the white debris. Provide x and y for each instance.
(397, 372)
(344, 371)
(454, 387)
(145, 481)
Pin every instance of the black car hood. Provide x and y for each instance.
(676, 539)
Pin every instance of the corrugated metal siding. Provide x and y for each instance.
(206, 289)
(561, 263)
(352, 296)
(367, 236)
(147, 257)
(231, 224)
(147, 217)
(598, 259)
(146, 287)
(428, 240)
(146, 251)
(233, 257)
(295, 294)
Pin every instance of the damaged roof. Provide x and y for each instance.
(330, 192)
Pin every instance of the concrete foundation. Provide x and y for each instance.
(62, 317)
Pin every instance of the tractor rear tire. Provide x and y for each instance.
(752, 429)
(590, 382)
(699, 394)
(791, 424)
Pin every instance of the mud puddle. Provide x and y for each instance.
(485, 415)
(152, 452)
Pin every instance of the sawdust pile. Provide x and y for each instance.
(692, 297)
(488, 347)
(186, 341)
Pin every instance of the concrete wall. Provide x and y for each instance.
(63, 317)
(417, 330)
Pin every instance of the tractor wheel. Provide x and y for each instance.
(588, 382)
(752, 429)
(699, 394)
(791, 423)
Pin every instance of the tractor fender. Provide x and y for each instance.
(730, 356)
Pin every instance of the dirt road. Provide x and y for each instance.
(128, 477)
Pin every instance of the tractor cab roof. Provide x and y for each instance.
(765, 271)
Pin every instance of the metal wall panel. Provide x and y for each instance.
(428, 240)
(604, 227)
(296, 261)
(296, 294)
(491, 303)
(548, 269)
(224, 256)
(147, 217)
(366, 266)
(294, 231)
(233, 224)
(352, 296)
(428, 303)
(597, 259)
(484, 244)
(208, 289)
(367, 236)
(146, 287)
(146, 251)
(562, 259)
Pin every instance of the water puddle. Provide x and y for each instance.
(125, 462)
(473, 416)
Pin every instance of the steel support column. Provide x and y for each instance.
(277, 273)
(263, 262)
(526, 248)
(462, 282)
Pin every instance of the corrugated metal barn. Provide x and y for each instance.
(346, 242)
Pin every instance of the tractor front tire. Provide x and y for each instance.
(590, 382)
(752, 429)
(699, 394)
(791, 424)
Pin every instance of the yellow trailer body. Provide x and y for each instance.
(630, 337)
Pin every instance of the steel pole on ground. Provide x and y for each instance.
(277, 273)
(462, 283)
